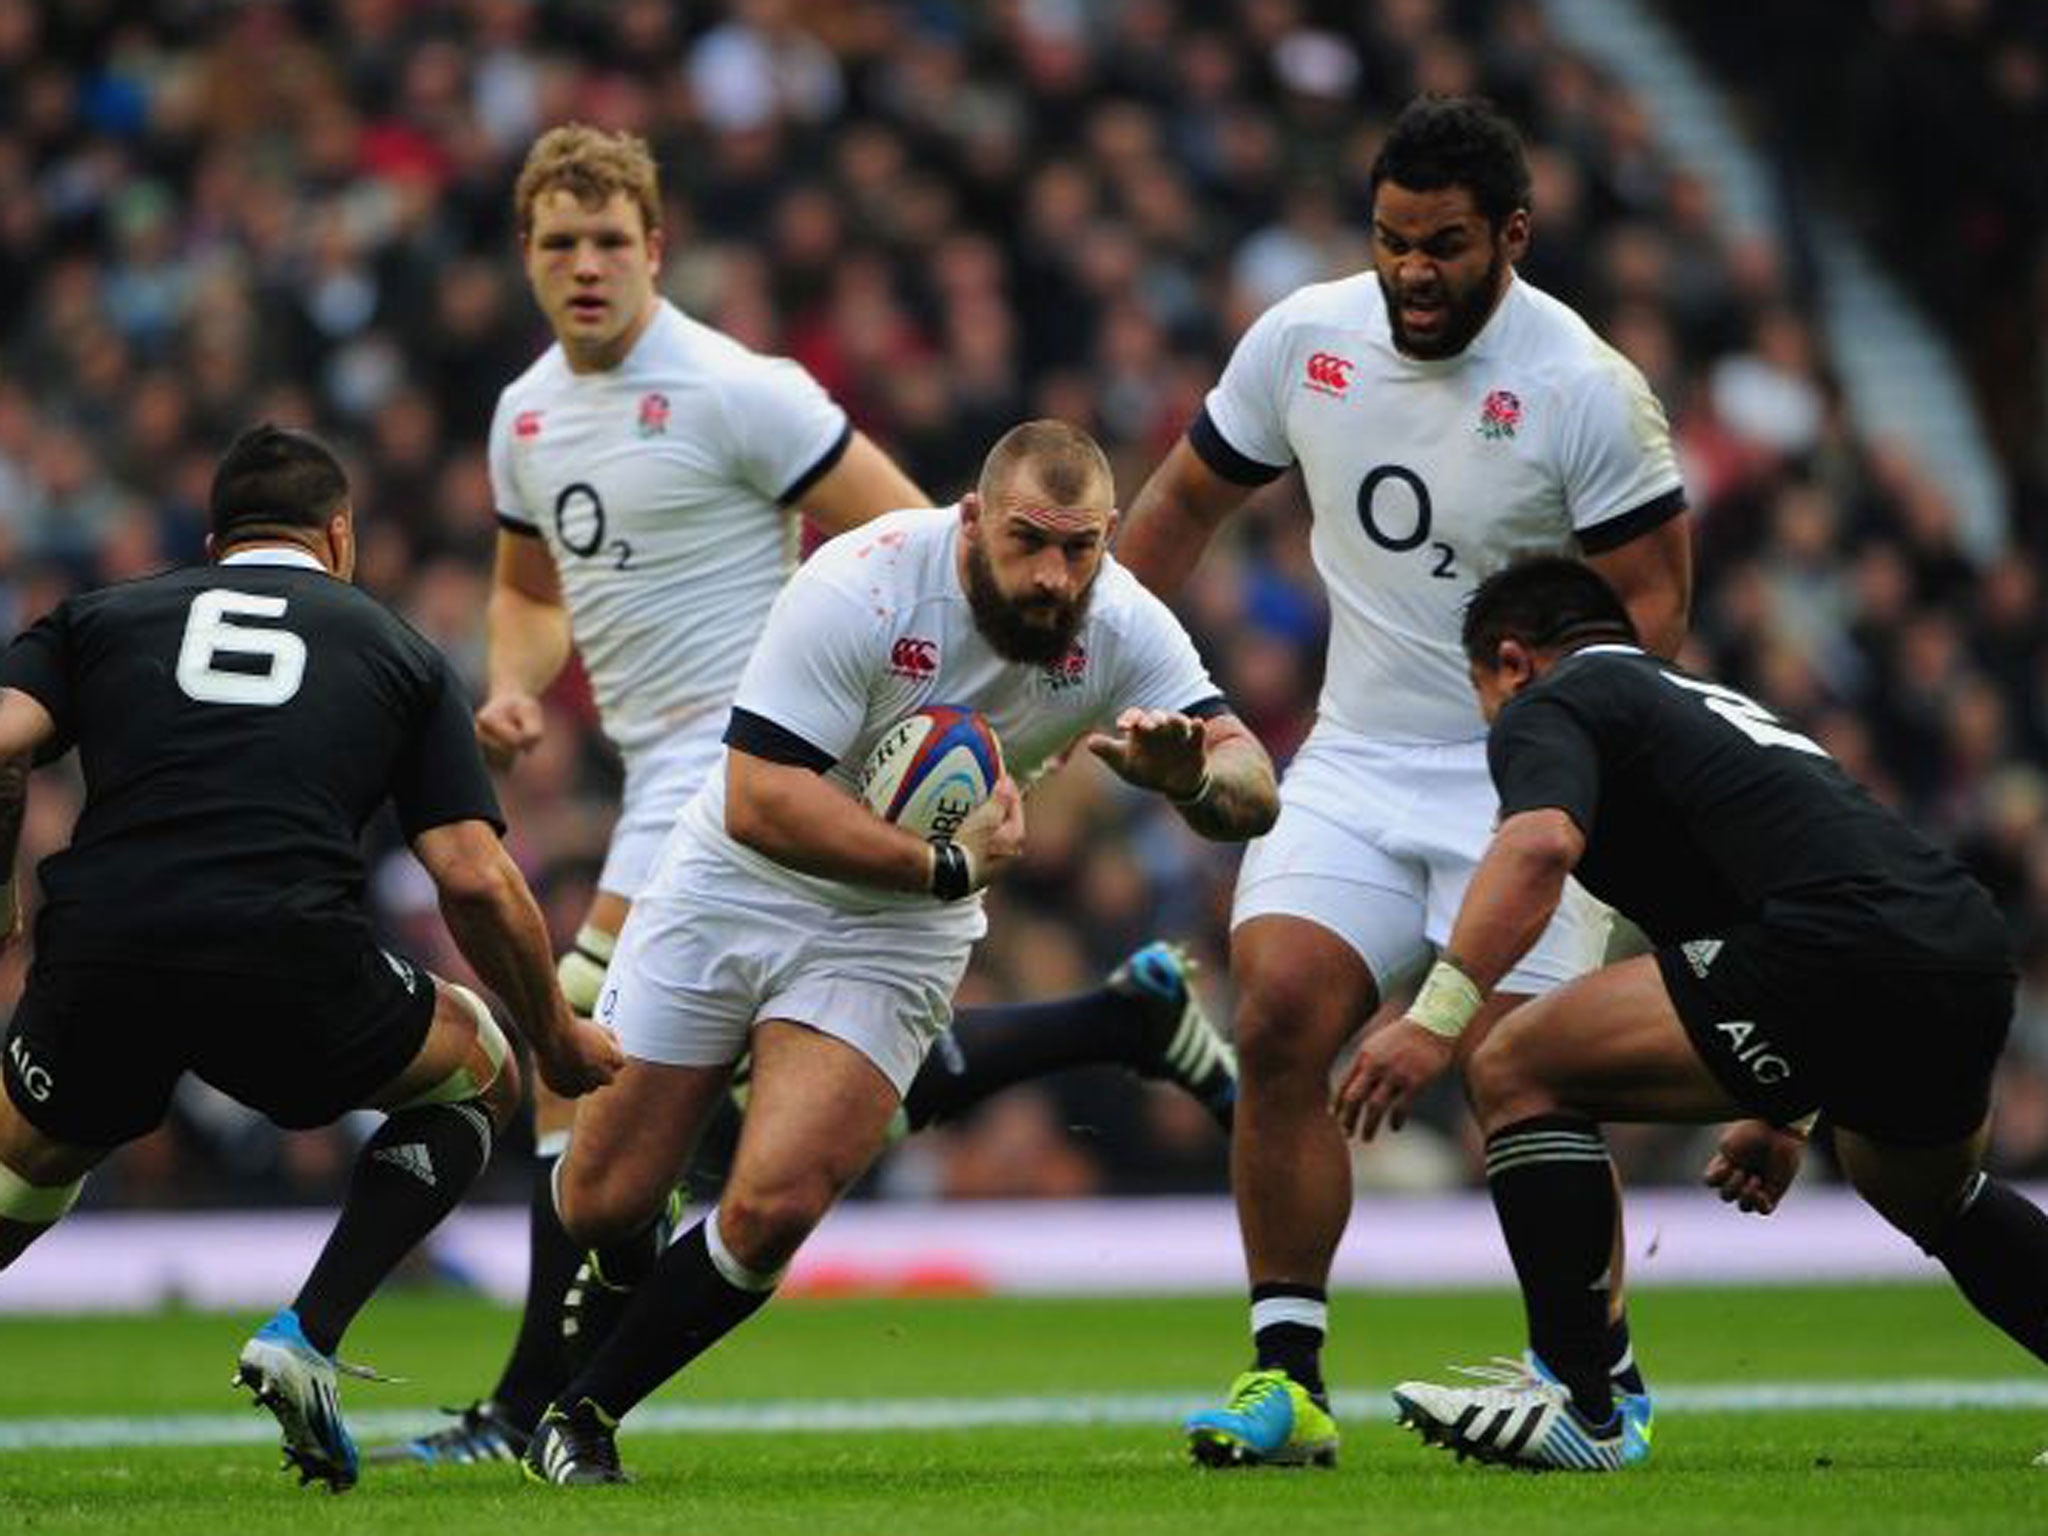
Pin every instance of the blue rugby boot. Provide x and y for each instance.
(1638, 1413)
(1180, 1045)
(296, 1382)
(1270, 1420)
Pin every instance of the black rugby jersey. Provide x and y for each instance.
(1702, 810)
(237, 725)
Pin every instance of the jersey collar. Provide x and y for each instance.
(273, 554)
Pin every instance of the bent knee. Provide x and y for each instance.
(764, 1225)
(501, 1099)
(1293, 1018)
(1500, 1084)
(483, 1070)
(598, 1206)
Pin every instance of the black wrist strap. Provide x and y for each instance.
(951, 875)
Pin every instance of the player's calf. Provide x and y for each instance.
(40, 1178)
(1991, 1239)
(419, 1163)
(28, 1210)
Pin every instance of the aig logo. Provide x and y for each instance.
(1749, 1045)
(34, 1078)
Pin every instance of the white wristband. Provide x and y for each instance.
(1447, 1001)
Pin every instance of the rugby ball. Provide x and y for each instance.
(930, 769)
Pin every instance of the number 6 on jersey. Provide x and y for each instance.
(210, 630)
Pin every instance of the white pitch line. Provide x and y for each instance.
(924, 1414)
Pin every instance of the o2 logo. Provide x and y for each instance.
(1381, 513)
(579, 524)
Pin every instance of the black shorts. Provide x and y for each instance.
(1902, 1056)
(95, 1050)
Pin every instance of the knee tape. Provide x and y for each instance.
(463, 1083)
(581, 971)
(34, 1204)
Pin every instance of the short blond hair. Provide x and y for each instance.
(1067, 463)
(592, 166)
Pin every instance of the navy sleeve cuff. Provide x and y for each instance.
(518, 525)
(1225, 460)
(1209, 708)
(758, 736)
(1628, 526)
(819, 470)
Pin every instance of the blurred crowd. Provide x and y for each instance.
(956, 215)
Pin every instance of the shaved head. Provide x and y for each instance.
(1051, 472)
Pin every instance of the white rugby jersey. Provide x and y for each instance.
(1425, 476)
(664, 489)
(877, 624)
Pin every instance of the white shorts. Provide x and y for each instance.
(712, 949)
(1377, 843)
(660, 779)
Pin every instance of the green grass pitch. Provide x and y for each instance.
(1870, 1466)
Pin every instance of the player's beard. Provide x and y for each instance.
(1035, 640)
(1465, 314)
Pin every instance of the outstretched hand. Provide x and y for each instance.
(1755, 1164)
(1156, 749)
(1394, 1065)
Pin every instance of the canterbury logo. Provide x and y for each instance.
(1328, 373)
(913, 658)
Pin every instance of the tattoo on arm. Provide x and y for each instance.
(1241, 801)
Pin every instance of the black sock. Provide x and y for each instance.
(1622, 1369)
(625, 1264)
(536, 1370)
(1996, 1247)
(687, 1305)
(1553, 1189)
(989, 1049)
(1289, 1323)
(407, 1177)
